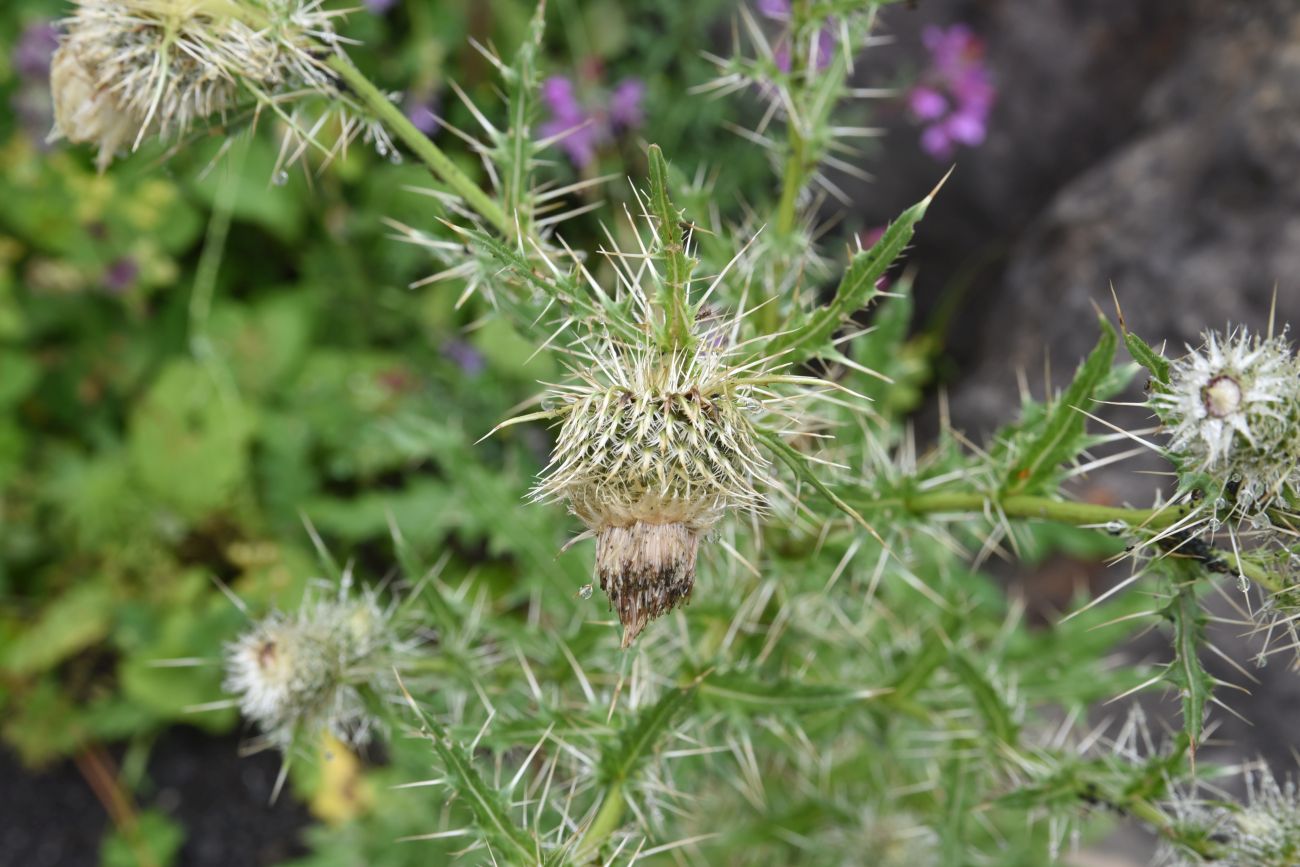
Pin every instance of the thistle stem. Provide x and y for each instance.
(793, 176)
(429, 153)
(1066, 512)
(609, 818)
(1148, 813)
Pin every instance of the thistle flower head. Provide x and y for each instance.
(1233, 410)
(653, 450)
(131, 69)
(301, 671)
(1262, 832)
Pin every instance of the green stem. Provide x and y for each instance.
(1147, 812)
(791, 182)
(609, 818)
(419, 143)
(792, 178)
(1066, 512)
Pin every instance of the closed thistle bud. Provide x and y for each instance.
(1233, 411)
(129, 69)
(301, 672)
(654, 449)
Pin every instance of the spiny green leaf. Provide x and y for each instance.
(997, 717)
(1185, 672)
(505, 837)
(566, 290)
(806, 338)
(737, 689)
(1155, 363)
(674, 290)
(798, 464)
(1060, 435)
(641, 735)
(515, 151)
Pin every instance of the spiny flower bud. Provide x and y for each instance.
(129, 69)
(653, 450)
(301, 671)
(1233, 411)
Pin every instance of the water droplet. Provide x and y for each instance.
(1115, 528)
(584, 592)
(1220, 504)
(381, 148)
(281, 178)
(395, 158)
(1243, 583)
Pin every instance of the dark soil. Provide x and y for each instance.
(51, 818)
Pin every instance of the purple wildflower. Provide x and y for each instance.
(422, 112)
(465, 356)
(955, 95)
(579, 129)
(775, 9)
(625, 111)
(121, 275)
(34, 50)
(31, 100)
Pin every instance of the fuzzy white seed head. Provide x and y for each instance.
(131, 69)
(300, 672)
(653, 451)
(1233, 411)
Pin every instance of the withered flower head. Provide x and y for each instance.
(653, 450)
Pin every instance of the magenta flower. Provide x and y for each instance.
(34, 50)
(625, 111)
(31, 57)
(953, 99)
(580, 129)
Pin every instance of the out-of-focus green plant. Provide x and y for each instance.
(224, 375)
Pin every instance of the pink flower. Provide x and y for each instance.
(927, 103)
(953, 99)
(579, 129)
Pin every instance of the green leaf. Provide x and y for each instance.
(566, 290)
(516, 148)
(1194, 684)
(501, 832)
(812, 335)
(675, 288)
(77, 619)
(1143, 354)
(189, 440)
(996, 715)
(1060, 435)
(153, 839)
(798, 464)
(640, 737)
(735, 689)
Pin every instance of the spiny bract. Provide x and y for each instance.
(653, 450)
